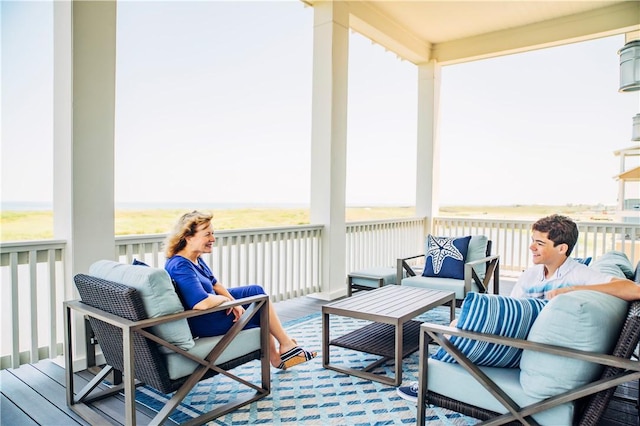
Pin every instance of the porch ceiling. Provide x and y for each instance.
(460, 31)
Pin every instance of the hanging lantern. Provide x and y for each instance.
(630, 67)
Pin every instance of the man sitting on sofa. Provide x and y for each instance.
(554, 272)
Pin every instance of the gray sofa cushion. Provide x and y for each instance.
(614, 263)
(453, 381)
(583, 320)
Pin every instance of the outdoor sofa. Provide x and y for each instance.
(553, 368)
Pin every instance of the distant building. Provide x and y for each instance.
(628, 185)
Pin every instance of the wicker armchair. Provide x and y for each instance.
(592, 398)
(136, 356)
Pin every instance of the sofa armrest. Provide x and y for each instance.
(493, 271)
(630, 370)
(438, 332)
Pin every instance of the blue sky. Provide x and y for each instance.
(214, 99)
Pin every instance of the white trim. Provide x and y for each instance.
(428, 145)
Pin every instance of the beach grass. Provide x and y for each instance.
(38, 225)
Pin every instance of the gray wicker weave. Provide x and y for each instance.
(111, 309)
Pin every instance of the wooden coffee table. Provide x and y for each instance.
(393, 334)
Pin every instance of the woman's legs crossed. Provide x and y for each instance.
(277, 331)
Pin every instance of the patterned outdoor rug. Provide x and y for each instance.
(311, 395)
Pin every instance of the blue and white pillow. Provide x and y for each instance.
(445, 257)
(493, 314)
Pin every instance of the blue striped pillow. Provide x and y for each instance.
(493, 314)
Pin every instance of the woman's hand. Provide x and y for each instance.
(211, 301)
(237, 312)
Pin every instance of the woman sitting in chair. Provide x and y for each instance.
(199, 289)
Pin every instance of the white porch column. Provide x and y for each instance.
(428, 147)
(84, 113)
(83, 154)
(329, 140)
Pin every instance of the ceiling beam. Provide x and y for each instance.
(379, 28)
(611, 20)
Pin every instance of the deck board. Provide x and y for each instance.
(35, 394)
(12, 414)
(113, 407)
(51, 390)
(30, 400)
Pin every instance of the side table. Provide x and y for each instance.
(370, 278)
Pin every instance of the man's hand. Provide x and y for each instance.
(553, 293)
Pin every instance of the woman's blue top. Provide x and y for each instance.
(194, 283)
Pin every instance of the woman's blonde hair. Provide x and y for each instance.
(186, 226)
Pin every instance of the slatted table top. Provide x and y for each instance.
(392, 335)
(389, 304)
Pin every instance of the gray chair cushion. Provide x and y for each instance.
(246, 341)
(158, 297)
(442, 284)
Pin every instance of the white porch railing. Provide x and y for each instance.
(381, 242)
(286, 261)
(32, 277)
(511, 239)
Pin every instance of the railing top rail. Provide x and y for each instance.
(13, 246)
(480, 219)
(138, 238)
(269, 230)
(141, 238)
(580, 223)
(385, 221)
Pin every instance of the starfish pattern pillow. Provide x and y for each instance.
(446, 257)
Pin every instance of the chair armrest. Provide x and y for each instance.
(118, 321)
(402, 267)
(483, 260)
(258, 302)
(493, 271)
(260, 299)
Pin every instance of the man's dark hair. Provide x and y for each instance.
(560, 230)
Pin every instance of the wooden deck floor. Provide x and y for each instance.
(35, 394)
